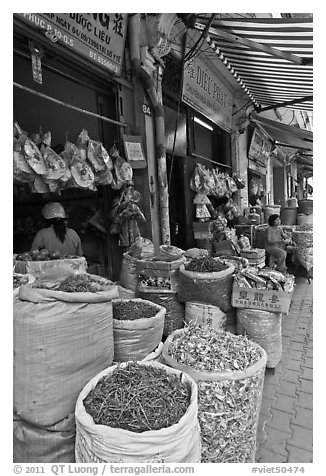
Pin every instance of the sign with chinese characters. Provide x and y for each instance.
(264, 299)
(260, 147)
(100, 37)
(134, 151)
(205, 92)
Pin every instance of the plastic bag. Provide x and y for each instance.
(142, 248)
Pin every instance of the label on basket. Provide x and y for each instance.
(155, 282)
(268, 300)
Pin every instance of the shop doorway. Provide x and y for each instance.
(67, 84)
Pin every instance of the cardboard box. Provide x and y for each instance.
(264, 299)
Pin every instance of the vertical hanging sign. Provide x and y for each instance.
(36, 55)
(100, 37)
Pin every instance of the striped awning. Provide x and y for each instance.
(271, 58)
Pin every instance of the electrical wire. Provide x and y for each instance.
(196, 47)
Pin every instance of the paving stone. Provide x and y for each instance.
(270, 456)
(304, 400)
(289, 375)
(301, 438)
(287, 388)
(266, 406)
(280, 421)
(308, 362)
(261, 433)
(284, 403)
(295, 355)
(303, 417)
(298, 455)
(308, 352)
(269, 391)
(292, 364)
(271, 378)
(305, 386)
(306, 373)
(276, 440)
(298, 346)
(298, 338)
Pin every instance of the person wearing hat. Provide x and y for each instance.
(56, 236)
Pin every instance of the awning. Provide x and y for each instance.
(284, 135)
(271, 58)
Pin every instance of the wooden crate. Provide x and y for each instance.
(264, 299)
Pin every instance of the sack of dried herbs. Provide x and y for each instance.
(264, 328)
(138, 412)
(202, 285)
(52, 444)
(205, 315)
(229, 371)
(128, 274)
(58, 346)
(175, 310)
(137, 328)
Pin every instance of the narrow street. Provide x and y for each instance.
(285, 429)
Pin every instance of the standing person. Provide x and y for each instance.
(56, 236)
(276, 241)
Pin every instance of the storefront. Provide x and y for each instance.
(62, 87)
(197, 132)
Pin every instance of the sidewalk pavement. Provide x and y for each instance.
(285, 421)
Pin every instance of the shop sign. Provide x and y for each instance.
(100, 37)
(260, 147)
(205, 92)
(134, 151)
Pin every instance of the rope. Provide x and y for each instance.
(61, 103)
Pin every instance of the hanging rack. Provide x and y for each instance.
(210, 160)
(61, 103)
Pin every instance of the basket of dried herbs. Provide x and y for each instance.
(138, 412)
(265, 328)
(137, 328)
(229, 371)
(207, 280)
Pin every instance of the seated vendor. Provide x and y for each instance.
(276, 241)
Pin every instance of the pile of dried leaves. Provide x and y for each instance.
(228, 409)
(132, 310)
(138, 398)
(205, 264)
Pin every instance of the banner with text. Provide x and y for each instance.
(98, 36)
(207, 94)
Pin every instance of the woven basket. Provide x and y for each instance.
(211, 288)
(264, 328)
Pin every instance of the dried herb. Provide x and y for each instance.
(80, 283)
(228, 409)
(132, 310)
(206, 350)
(138, 398)
(19, 280)
(205, 264)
